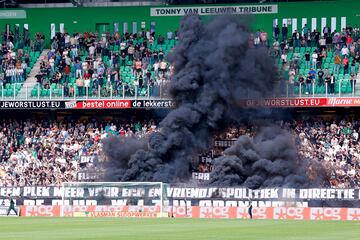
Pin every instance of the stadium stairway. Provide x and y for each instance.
(31, 79)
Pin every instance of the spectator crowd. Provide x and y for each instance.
(116, 64)
(14, 57)
(330, 57)
(49, 153)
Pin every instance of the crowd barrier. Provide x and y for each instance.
(290, 213)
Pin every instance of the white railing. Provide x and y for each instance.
(24, 92)
(344, 88)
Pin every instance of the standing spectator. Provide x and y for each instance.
(308, 84)
(328, 41)
(353, 67)
(305, 30)
(284, 32)
(292, 74)
(276, 32)
(357, 57)
(314, 59)
(326, 31)
(327, 82)
(322, 44)
(332, 84)
(170, 35)
(87, 83)
(67, 72)
(264, 38)
(80, 85)
(276, 47)
(284, 58)
(337, 61)
(296, 38)
(131, 51)
(24, 67)
(345, 51)
(349, 41)
(78, 69)
(353, 82)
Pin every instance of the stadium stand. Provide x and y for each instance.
(85, 64)
(50, 152)
(316, 62)
(18, 56)
(110, 65)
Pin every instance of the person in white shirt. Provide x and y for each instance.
(91, 50)
(19, 74)
(156, 68)
(87, 85)
(322, 43)
(67, 40)
(284, 58)
(52, 64)
(314, 60)
(345, 51)
(85, 66)
(74, 51)
(24, 67)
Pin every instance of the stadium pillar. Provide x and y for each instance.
(353, 88)
(287, 89)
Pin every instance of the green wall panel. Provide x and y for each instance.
(85, 19)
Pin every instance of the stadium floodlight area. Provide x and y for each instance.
(121, 198)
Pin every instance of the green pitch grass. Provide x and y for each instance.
(174, 229)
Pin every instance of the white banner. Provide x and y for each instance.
(201, 176)
(12, 14)
(214, 10)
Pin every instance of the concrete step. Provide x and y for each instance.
(31, 80)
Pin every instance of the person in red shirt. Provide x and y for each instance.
(122, 132)
(349, 41)
(67, 71)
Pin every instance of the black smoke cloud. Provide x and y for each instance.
(269, 159)
(216, 66)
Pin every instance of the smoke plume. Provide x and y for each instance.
(267, 160)
(216, 65)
